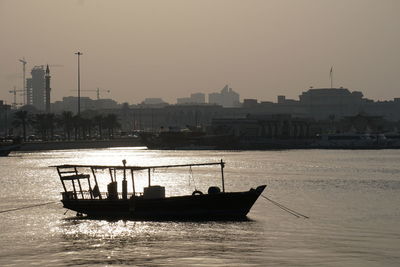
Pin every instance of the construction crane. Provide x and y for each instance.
(97, 91)
(24, 93)
(14, 104)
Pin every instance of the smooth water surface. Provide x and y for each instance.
(351, 197)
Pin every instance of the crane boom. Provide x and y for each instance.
(14, 92)
(24, 62)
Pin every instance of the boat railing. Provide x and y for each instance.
(85, 186)
(89, 195)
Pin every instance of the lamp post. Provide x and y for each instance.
(79, 82)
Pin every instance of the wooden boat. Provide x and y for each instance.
(152, 204)
(352, 141)
(5, 152)
(187, 140)
(6, 149)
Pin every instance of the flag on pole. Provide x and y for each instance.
(330, 73)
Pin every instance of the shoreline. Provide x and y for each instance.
(135, 142)
(79, 144)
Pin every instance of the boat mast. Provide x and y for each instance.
(96, 183)
(111, 175)
(149, 177)
(124, 183)
(133, 183)
(79, 183)
(222, 175)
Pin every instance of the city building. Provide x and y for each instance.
(249, 103)
(153, 103)
(264, 126)
(70, 103)
(196, 98)
(327, 104)
(38, 88)
(47, 89)
(329, 108)
(227, 98)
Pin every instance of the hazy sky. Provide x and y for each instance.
(171, 48)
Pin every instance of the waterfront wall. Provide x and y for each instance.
(80, 144)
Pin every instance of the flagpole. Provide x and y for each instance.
(331, 77)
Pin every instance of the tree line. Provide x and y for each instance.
(72, 127)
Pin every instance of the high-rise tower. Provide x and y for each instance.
(36, 88)
(47, 89)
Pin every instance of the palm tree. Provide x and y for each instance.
(40, 123)
(50, 119)
(98, 120)
(111, 123)
(86, 125)
(21, 119)
(66, 121)
(77, 123)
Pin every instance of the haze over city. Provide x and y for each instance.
(170, 49)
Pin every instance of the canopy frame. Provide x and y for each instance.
(73, 169)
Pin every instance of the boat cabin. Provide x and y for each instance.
(81, 186)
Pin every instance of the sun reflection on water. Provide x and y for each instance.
(350, 196)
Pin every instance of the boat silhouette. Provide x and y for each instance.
(152, 204)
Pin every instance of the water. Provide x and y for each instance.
(351, 197)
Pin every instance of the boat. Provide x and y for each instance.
(352, 141)
(152, 203)
(5, 150)
(190, 138)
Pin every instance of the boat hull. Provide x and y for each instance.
(234, 205)
(4, 153)
(5, 150)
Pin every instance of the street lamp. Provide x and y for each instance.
(79, 82)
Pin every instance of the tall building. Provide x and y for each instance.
(227, 98)
(47, 89)
(38, 88)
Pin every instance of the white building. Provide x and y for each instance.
(70, 103)
(196, 98)
(227, 98)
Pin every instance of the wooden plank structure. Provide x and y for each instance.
(152, 203)
(69, 172)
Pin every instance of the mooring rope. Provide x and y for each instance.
(191, 178)
(293, 212)
(27, 207)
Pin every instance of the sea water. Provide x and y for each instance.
(352, 199)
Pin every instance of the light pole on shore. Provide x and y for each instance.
(79, 82)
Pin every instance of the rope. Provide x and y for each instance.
(27, 207)
(191, 178)
(293, 212)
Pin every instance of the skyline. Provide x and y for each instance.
(141, 49)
